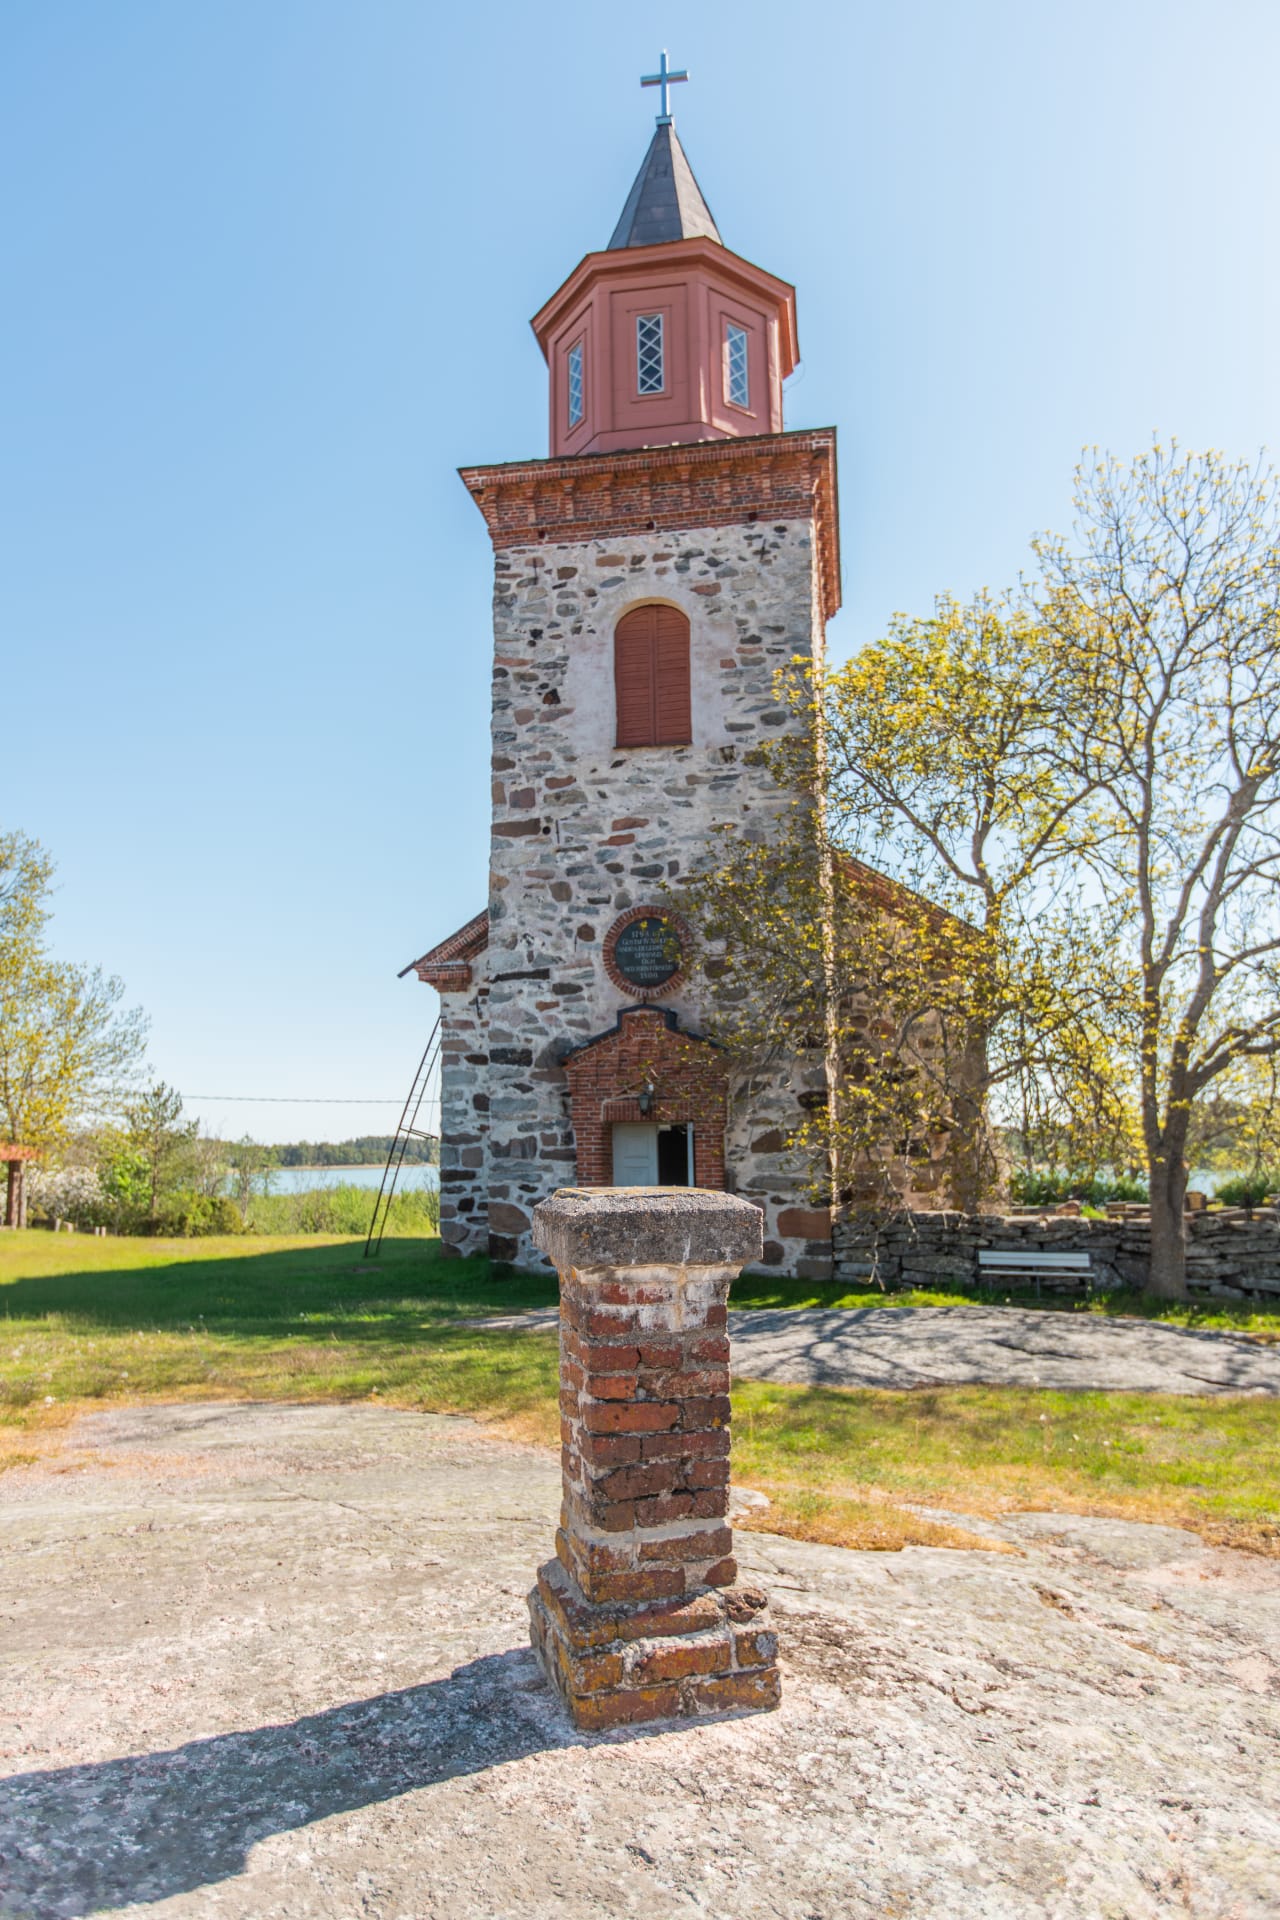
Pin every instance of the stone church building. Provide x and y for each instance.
(651, 576)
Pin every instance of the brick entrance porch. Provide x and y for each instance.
(646, 1068)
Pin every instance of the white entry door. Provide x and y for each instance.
(635, 1153)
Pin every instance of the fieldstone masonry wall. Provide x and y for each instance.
(1230, 1253)
(639, 1617)
(582, 831)
(464, 1115)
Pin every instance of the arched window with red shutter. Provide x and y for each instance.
(651, 678)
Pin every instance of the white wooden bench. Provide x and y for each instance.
(1071, 1269)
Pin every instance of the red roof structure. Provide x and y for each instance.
(447, 967)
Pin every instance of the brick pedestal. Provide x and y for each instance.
(639, 1616)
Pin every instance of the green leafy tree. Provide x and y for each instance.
(1088, 782)
(1235, 1126)
(209, 1165)
(68, 1050)
(251, 1166)
(123, 1172)
(941, 767)
(913, 912)
(165, 1148)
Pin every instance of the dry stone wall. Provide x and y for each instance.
(1230, 1254)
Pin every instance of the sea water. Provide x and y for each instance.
(414, 1177)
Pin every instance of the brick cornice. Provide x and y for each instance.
(447, 967)
(769, 476)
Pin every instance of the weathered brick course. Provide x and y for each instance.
(639, 1615)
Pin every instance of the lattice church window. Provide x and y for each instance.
(736, 355)
(650, 357)
(575, 384)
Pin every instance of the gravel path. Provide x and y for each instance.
(981, 1346)
(271, 1663)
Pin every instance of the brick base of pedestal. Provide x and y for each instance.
(617, 1666)
(639, 1616)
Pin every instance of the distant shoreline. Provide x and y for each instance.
(332, 1166)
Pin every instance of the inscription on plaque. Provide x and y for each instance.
(645, 952)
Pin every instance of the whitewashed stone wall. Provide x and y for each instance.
(583, 830)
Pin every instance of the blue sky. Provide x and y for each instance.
(268, 268)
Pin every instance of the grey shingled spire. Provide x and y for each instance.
(666, 201)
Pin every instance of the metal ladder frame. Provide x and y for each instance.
(406, 1131)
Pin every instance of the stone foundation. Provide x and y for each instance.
(1231, 1254)
(639, 1616)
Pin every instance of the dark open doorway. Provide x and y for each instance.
(675, 1156)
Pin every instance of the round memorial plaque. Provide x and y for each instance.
(645, 952)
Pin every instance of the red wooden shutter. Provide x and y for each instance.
(651, 677)
(633, 661)
(672, 715)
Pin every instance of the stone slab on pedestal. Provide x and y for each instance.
(639, 1616)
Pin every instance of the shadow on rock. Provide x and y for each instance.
(902, 1347)
(77, 1840)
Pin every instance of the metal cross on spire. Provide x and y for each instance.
(664, 78)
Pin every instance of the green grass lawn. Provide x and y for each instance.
(836, 1463)
(84, 1321)
(291, 1318)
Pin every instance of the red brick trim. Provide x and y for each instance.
(447, 967)
(711, 483)
(620, 981)
(690, 1080)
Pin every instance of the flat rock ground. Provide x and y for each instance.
(271, 1661)
(980, 1346)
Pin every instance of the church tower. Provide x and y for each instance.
(651, 576)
